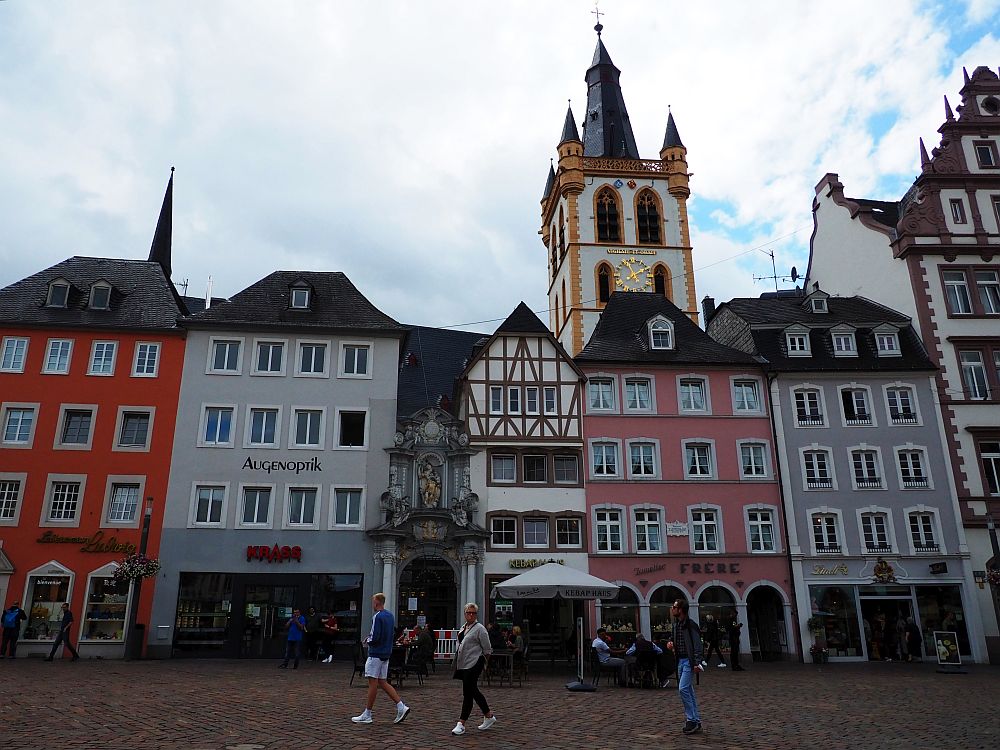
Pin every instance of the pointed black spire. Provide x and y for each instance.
(671, 138)
(550, 180)
(569, 133)
(159, 251)
(606, 127)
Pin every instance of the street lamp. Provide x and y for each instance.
(130, 626)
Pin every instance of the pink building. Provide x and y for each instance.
(682, 494)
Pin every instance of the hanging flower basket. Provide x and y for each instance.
(136, 567)
(993, 576)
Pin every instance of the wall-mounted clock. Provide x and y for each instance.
(632, 275)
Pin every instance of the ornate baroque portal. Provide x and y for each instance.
(430, 520)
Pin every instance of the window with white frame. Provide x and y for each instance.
(901, 402)
(263, 427)
(956, 290)
(58, 294)
(225, 356)
(808, 408)
(875, 529)
(643, 459)
(76, 427)
(496, 399)
(912, 468)
(844, 344)
(922, 532)
(312, 358)
(638, 394)
(605, 459)
(660, 333)
(503, 468)
(353, 429)
(18, 424)
(818, 305)
(123, 503)
(57, 355)
(209, 502)
(536, 532)
(865, 465)
(13, 355)
(100, 297)
(147, 360)
(887, 344)
(102, 358)
(705, 530)
(989, 455)
(857, 407)
(256, 506)
(307, 425)
(817, 469)
(535, 469)
(988, 286)
(513, 400)
(503, 531)
(568, 532)
(797, 343)
(347, 507)
(824, 526)
(753, 461)
(601, 393)
(218, 425)
(746, 396)
(549, 393)
(355, 358)
(761, 526)
(134, 430)
(974, 376)
(64, 501)
(567, 469)
(300, 298)
(531, 399)
(10, 494)
(647, 531)
(302, 506)
(698, 460)
(270, 359)
(693, 394)
(609, 530)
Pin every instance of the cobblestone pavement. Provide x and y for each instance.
(252, 705)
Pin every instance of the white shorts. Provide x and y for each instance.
(376, 669)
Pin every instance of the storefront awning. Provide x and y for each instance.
(555, 581)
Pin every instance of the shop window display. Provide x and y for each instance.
(940, 608)
(104, 617)
(659, 610)
(204, 602)
(46, 593)
(341, 596)
(620, 617)
(836, 608)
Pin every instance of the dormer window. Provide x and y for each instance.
(797, 343)
(887, 343)
(100, 297)
(661, 335)
(58, 294)
(844, 343)
(300, 298)
(818, 305)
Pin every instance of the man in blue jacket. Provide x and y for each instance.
(380, 642)
(13, 616)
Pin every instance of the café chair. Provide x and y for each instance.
(597, 667)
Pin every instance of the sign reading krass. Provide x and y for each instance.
(275, 554)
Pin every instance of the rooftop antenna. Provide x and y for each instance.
(184, 287)
(208, 294)
(793, 276)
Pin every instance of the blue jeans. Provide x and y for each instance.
(685, 686)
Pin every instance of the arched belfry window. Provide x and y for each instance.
(607, 216)
(661, 281)
(647, 218)
(603, 283)
(562, 233)
(552, 242)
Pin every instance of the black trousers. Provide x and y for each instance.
(293, 648)
(708, 653)
(9, 642)
(63, 637)
(734, 654)
(471, 692)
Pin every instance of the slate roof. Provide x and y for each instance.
(884, 212)
(335, 304)
(569, 131)
(141, 297)
(768, 319)
(671, 137)
(607, 130)
(197, 304)
(523, 320)
(431, 361)
(621, 336)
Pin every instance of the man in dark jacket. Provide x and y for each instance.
(686, 645)
(13, 616)
(64, 636)
(735, 630)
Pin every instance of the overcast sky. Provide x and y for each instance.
(407, 143)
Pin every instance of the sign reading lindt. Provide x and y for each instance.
(275, 554)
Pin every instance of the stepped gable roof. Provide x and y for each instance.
(335, 303)
(523, 320)
(141, 296)
(768, 319)
(431, 360)
(622, 335)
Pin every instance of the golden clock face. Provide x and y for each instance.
(632, 275)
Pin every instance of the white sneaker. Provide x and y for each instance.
(328, 659)
(488, 721)
(401, 713)
(364, 718)
(459, 728)
(722, 665)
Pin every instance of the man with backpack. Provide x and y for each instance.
(13, 616)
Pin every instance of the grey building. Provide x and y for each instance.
(874, 530)
(287, 400)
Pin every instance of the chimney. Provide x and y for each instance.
(708, 308)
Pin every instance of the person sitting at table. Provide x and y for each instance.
(424, 644)
(402, 638)
(645, 653)
(604, 654)
(494, 633)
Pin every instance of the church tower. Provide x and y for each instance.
(612, 221)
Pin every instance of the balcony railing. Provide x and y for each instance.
(869, 483)
(905, 417)
(877, 549)
(819, 484)
(809, 420)
(915, 483)
(828, 549)
(859, 420)
(927, 547)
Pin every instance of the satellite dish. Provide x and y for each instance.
(795, 274)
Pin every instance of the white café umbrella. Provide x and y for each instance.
(554, 580)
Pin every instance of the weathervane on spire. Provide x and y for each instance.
(597, 12)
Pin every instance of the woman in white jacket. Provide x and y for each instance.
(473, 652)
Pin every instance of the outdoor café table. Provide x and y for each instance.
(501, 668)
